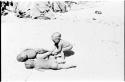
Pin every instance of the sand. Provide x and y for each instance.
(98, 41)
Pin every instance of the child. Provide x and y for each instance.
(40, 64)
(60, 46)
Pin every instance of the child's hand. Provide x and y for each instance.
(54, 53)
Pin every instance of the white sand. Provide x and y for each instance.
(98, 44)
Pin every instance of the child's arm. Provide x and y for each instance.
(53, 50)
(42, 56)
(58, 50)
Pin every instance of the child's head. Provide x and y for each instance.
(29, 64)
(56, 37)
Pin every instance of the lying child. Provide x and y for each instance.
(51, 63)
(60, 46)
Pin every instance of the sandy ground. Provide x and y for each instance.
(98, 44)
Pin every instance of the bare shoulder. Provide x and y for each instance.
(65, 42)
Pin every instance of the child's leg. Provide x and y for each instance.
(43, 56)
(67, 48)
(22, 58)
(65, 66)
(41, 50)
(26, 54)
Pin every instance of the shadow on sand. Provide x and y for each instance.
(69, 53)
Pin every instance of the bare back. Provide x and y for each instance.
(64, 44)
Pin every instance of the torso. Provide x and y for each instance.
(44, 64)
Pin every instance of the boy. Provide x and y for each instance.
(60, 46)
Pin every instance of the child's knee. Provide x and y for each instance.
(22, 58)
(68, 48)
(71, 47)
(41, 51)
